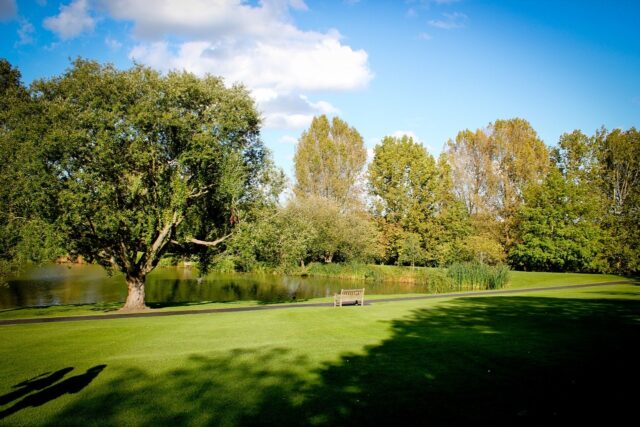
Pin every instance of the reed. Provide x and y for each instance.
(478, 276)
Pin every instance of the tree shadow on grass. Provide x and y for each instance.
(49, 389)
(495, 360)
(499, 360)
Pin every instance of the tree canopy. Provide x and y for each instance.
(329, 160)
(143, 161)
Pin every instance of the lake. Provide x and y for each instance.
(87, 284)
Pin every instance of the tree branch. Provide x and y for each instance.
(195, 194)
(210, 244)
(151, 256)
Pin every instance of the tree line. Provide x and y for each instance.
(497, 195)
(125, 167)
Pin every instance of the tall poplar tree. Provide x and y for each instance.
(329, 160)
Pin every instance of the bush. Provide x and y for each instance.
(475, 275)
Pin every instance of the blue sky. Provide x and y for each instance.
(429, 68)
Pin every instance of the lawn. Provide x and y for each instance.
(543, 357)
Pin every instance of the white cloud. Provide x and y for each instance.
(425, 36)
(451, 21)
(112, 43)
(8, 9)
(25, 32)
(291, 111)
(73, 20)
(257, 45)
(320, 64)
(288, 139)
(410, 134)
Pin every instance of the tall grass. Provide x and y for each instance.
(357, 271)
(477, 276)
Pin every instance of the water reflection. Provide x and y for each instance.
(87, 284)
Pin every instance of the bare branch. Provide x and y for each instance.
(201, 192)
(210, 244)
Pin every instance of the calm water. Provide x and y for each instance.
(87, 284)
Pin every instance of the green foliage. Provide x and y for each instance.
(414, 194)
(410, 250)
(402, 180)
(134, 162)
(619, 178)
(328, 162)
(305, 230)
(558, 227)
(475, 275)
(27, 189)
(483, 248)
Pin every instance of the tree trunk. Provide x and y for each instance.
(135, 298)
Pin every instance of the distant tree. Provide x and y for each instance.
(447, 239)
(144, 162)
(403, 182)
(339, 235)
(279, 238)
(305, 229)
(558, 227)
(474, 179)
(490, 169)
(618, 154)
(328, 162)
(411, 250)
(576, 157)
(27, 189)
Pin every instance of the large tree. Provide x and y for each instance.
(618, 154)
(329, 160)
(490, 169)
(558, 227)
(144, 162)
(413, 194)
(402, 180)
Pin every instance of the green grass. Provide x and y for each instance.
(525, 279)
(545, 357)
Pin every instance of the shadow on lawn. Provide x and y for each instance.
(49, 388)
(496, 360)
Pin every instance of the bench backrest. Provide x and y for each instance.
(351, 293)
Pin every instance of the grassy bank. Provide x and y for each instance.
(516, 279)
(356, 276)
(544, 357)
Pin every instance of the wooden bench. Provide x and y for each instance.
(349, 297)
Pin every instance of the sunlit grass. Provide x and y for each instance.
(505, 357)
